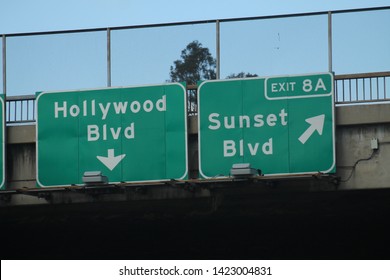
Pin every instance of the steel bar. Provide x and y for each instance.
(384, 87)
(370, 89)
(330, 53)
(4, 66)
(108, 57)
(218, 48)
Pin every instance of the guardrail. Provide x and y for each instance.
(349, 89)
(20, 109)
(362, 88)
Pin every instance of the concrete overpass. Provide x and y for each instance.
(358, 166)
(342, 215)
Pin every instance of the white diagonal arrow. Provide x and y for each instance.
(316, 124)
(111, 161)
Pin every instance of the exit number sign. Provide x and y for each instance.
(297, 86)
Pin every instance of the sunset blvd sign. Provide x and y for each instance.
(131, 134)
(280, 125)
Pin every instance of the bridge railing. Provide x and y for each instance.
(20, 109)
(362, 88)
(349, 89)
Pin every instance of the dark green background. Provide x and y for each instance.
(247, 97)
(157, 152)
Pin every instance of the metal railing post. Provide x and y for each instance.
(218, 48)
(108, 57)
(330, 53)
(4, 51)
(4, 124)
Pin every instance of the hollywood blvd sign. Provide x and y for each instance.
(280, 125)
(131, 134)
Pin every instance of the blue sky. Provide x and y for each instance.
(43, 15)
(144, 56)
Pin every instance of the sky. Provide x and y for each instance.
(18, 16)
(144, 56)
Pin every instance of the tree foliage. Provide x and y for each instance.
(241, 75)
(196, 64)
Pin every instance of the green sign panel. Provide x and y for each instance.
(2, 149)
(131, 134)
(280, 125)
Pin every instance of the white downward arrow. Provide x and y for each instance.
(316, 124)
(111, 161)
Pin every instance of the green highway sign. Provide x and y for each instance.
(130, 134)
(280, 125)
(2, 149)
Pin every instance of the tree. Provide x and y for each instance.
(196, 64)
(241, 75)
